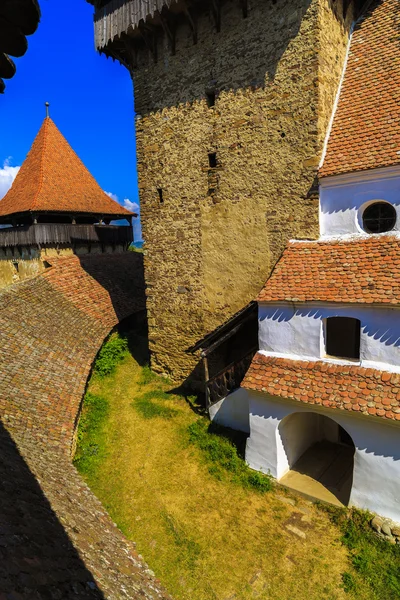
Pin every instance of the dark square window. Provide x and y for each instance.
(343, 337)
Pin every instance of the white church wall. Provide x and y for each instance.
(343, 199)
(296, 331)
(232, 411)
(376, 476)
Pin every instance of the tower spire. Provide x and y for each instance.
(47, 104)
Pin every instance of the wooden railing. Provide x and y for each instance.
(118, 16)
(40, 234)
(227, 380)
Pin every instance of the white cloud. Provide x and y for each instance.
(133, 206)
(113, 196)
(7, 176)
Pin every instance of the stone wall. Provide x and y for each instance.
(26, 262)
(214, 233)
(56, 540)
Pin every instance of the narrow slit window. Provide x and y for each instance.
(160, 195)
(343, 337)
(212, 160)
(210, 96)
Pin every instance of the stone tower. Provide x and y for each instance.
(233, 100)
(55, 208)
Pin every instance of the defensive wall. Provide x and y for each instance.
(56, 540)
(230, 132)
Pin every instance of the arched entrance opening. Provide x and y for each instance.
(315, 457)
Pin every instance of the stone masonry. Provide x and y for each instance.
(56, 540)
(224, 187)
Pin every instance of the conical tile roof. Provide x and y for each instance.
(53, 179)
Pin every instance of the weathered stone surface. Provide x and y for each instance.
(219, 230)
(296, 531)
(377, 523)
(386, 528)
(56, 540)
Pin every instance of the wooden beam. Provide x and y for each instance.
(131, 51)
(191, 17)
(346, 4)
(169, 29)
(206, 379)
(150, 39)
(216, 10)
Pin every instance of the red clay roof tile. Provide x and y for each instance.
(316, 383)
(366, 126)
(54, 179)
(364, 270)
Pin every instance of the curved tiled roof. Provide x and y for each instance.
(366, 126)
(354, 388)
(365, 270)
(54, 179)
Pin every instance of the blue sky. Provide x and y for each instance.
(91, 100)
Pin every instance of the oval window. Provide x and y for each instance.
(379, 217)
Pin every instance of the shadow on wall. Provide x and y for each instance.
(380, 325)
(268, 25)
(121, 275)
(37, 558)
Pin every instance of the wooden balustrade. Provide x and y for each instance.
(227, 380)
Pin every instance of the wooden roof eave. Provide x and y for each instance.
(113, 216)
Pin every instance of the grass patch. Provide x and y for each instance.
(182, 491)
(152, 404)
(222, 457)
(150, 410)
(375, 561)
(94, 415)
(112, 352)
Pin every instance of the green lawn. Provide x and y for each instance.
(209, 527)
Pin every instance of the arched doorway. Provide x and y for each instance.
(315, 457)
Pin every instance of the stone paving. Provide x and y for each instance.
(56, 539)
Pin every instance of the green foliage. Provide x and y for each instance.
(111, 353)
(221, 454)
(95, 411)
(349, 585)
(375, 561)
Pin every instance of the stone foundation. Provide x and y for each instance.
(386, 529)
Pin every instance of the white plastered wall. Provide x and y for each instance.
(376, 477)
(232, 411)
(296, 331)
(343, 199)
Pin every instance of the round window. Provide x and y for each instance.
(379, 217)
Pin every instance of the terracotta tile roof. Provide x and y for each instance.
(54, 179)
(366, 126)
(369, 391)
(363, 270)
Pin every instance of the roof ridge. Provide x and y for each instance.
(45, 130)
